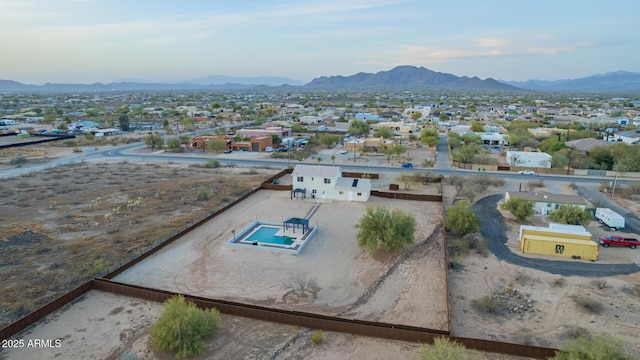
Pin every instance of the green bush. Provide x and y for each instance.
(588, 304)
(596, 348)
(445, 349)
(211, 164)
(461, 219)
(317, 337)
(203, 195)
(183, 327)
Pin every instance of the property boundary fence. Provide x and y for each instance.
(406, 196)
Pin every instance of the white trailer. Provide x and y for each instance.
(610, 218)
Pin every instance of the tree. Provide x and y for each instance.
(445, 349)
(329, 139)
(358, 127)
(183, 327)
(333, 159)
(384, 132)
(519, 207)
(123, 120)
(408, 180)
(461, 219)
(429, 137)
(477, 126)
(216, 145)
(297, 128)
(570, 214)
(276, 139)
(596, 348)
(174, 145)
(381, 229)
(154, 141)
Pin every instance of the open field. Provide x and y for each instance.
(62, 226)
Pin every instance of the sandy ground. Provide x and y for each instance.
(201, 263)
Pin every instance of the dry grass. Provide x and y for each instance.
(55, 236)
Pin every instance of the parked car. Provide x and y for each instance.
(343, 151)
(228, 151)
(407, 165)
(527, 172)
(617, 240)
(269, 149)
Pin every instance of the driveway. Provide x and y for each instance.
(632, 223)
(493, 228)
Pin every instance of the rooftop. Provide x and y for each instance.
(542, 196)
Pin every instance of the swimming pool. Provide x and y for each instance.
(272, 236)
(267, 234)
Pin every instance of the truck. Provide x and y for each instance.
(610, 218)
(617, 240)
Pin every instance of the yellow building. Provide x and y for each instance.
(568, 241)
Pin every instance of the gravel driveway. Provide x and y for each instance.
(493, 228)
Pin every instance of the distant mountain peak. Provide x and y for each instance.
(407, 76)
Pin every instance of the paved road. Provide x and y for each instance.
(442, 154)
(493, 228)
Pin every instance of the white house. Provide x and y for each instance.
(544, 202)
(326, 182)
(529, 159)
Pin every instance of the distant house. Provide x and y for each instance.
(586, 144)
(529, 159)
(326, 182)
(628, 137)
(544, 202)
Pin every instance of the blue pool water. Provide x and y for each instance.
(267, 234)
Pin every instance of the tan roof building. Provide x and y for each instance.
(545, 202)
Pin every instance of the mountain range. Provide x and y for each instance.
(398, 78)
(618, 81)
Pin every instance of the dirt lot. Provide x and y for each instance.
(538, 308)
(61, 226)
(201, 263)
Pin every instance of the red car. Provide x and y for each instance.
(616, 240)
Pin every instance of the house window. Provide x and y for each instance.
(557, 206)
(341, 192)
(548, 205)
(359, 194)
(314, 191)
(327, 181)
(300, 178)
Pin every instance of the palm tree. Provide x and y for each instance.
(333, 159)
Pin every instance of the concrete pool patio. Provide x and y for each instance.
(201, 262)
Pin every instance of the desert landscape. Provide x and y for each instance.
(65, 220)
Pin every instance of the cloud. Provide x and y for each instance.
(484, 48)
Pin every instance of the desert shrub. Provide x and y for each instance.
(477, 242)
(384, 229)
(317, 337)
(18, 160)
(183, 327)
(519, 207)
(211, 164)
(559, 282)
(445, 349)
(487, 304)
(596, 348)
(462, 219)
(203, 195)
(575, 332)
(428, 163)
(599, 283)
(90, 136)
(588, 304)
(97, 266)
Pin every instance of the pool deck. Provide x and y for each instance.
(295, 248)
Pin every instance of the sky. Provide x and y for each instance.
(87, 41)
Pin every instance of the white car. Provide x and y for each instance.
(343, 151)
(527, 172)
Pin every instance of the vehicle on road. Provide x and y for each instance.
(527, 172)
(407, 165)
(610, 218)
(228, 151)
(343, 151)
(617, 240)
